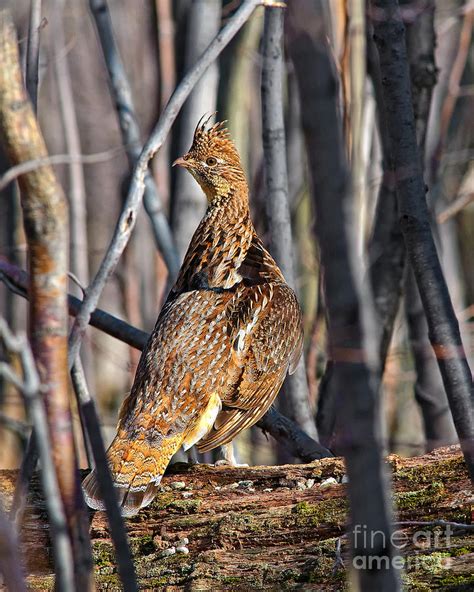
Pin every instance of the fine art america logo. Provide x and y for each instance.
(375, 544)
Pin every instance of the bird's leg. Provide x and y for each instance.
(227, 452)
(192, 455)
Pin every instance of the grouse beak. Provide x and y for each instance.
(181, 162)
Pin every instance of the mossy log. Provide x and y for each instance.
(271, 528)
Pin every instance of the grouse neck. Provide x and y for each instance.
(219, 246)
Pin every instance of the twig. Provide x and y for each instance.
(132, 203)
(107, 489)
(17, 279)
(414, 221)
(466, 196)
(454, 208)
(122, 95)
(19, 428)
(30, 388)
(457, 70)
(32, 165)
(33, 52)
(276, 200)
(456, 525)
(280, 427)
(10, 563)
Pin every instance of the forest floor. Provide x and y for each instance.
(273, 528)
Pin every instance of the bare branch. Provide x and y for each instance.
(122, 95)
(32, 165)
(106, 484)
(276, 200)
(132, 203)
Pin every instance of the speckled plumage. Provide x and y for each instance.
(227, 335)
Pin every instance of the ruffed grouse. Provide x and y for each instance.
(227, 335)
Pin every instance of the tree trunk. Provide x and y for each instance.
(271, 528)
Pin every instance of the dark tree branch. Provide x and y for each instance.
(132, 203)
(352, 383)
(414, 222)
(386, 247)
(107, 489)
(429, 390)
(122, 95)
(280, 427)
(276, 199)
(291, 437)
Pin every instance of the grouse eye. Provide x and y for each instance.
(211, 161)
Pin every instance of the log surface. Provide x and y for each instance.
(271, 528)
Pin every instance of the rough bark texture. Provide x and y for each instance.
(268, 528)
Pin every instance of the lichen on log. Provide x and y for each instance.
(272, 528)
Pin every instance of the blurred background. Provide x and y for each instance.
(158, 41)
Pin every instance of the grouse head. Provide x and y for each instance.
(213, 161)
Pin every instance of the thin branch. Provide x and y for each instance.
(122, 95)
(10, 563)
(33, 52)
(118, 532)
(132, 203)
(30, 388)
(414, 221)
(276, 177)
(465, 197)
(17, 279)
(32, 165)
(455, 525)
(19, 428)
(280, 427)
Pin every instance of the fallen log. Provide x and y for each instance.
(273, 528)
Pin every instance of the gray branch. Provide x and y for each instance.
(276, 201)
(122, 95)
